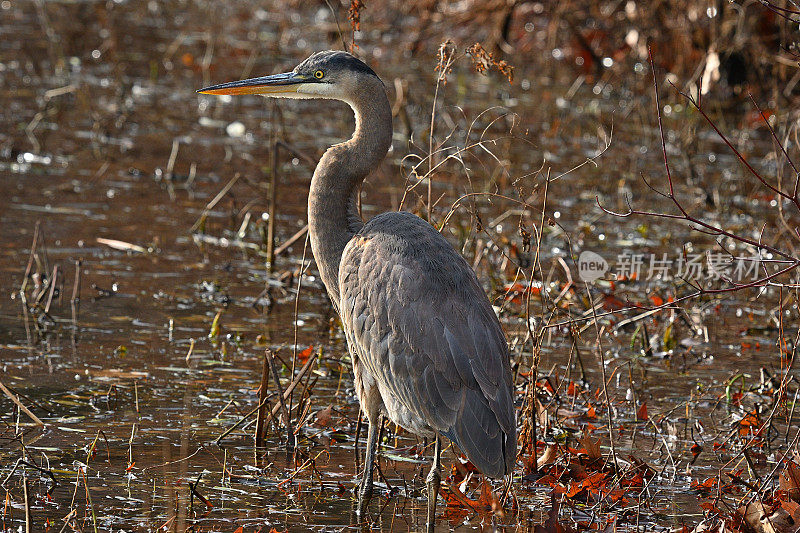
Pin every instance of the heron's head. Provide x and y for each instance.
(329, 74)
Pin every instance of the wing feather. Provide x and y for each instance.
(420, 323)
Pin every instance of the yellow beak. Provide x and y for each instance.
(286, 83)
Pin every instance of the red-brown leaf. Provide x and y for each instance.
(790, 480)
(592, 446)
(305, 354)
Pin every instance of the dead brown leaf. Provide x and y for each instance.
(793, 509)
(324, 417)
(549, 456)
(790, 480)
(544, 420)
(755, 515)
(591, 446)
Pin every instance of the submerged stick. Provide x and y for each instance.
(240, 421)
(89, 498)
(290, 241)
(296, 310)
(75, 301)
(29, 267)
(273, 207)
(262, 404)
(290, 389)
(53, 280)
(273, 200)
(13, 397)
(602, 358)
(290, 440)
(22, 462)
(276, 408)
(27, 502)
(210, 205)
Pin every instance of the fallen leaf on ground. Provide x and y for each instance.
(324, 417)
(549, 456)
(591, 446)
(755, 515)
(641, 414)
(790, 481)
(305, 354)
(793, 509)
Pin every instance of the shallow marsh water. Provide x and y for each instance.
(105, 138)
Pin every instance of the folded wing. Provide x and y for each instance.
(419, 321)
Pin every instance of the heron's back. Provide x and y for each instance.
(420, 325)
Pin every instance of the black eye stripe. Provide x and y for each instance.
(333, 60)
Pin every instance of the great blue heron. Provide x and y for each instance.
(427, 348)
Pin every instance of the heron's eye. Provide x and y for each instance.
(319, 74)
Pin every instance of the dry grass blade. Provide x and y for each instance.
(122, 245)
(214, 201)
(291, 240)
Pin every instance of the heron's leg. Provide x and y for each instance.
(434, 479)
(365, 489)
(355, 445)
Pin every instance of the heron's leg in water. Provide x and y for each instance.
(358, 434)
(365, 492)
(433, 480)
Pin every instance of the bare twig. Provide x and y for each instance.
(13, 397)
(262, 397)
(290, 439)
(312, 358)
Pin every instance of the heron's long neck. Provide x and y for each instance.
(333, 216)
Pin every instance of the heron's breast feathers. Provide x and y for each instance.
(419, 321)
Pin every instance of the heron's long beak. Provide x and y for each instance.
(286, 83)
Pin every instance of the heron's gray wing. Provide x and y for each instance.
(420, 323)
